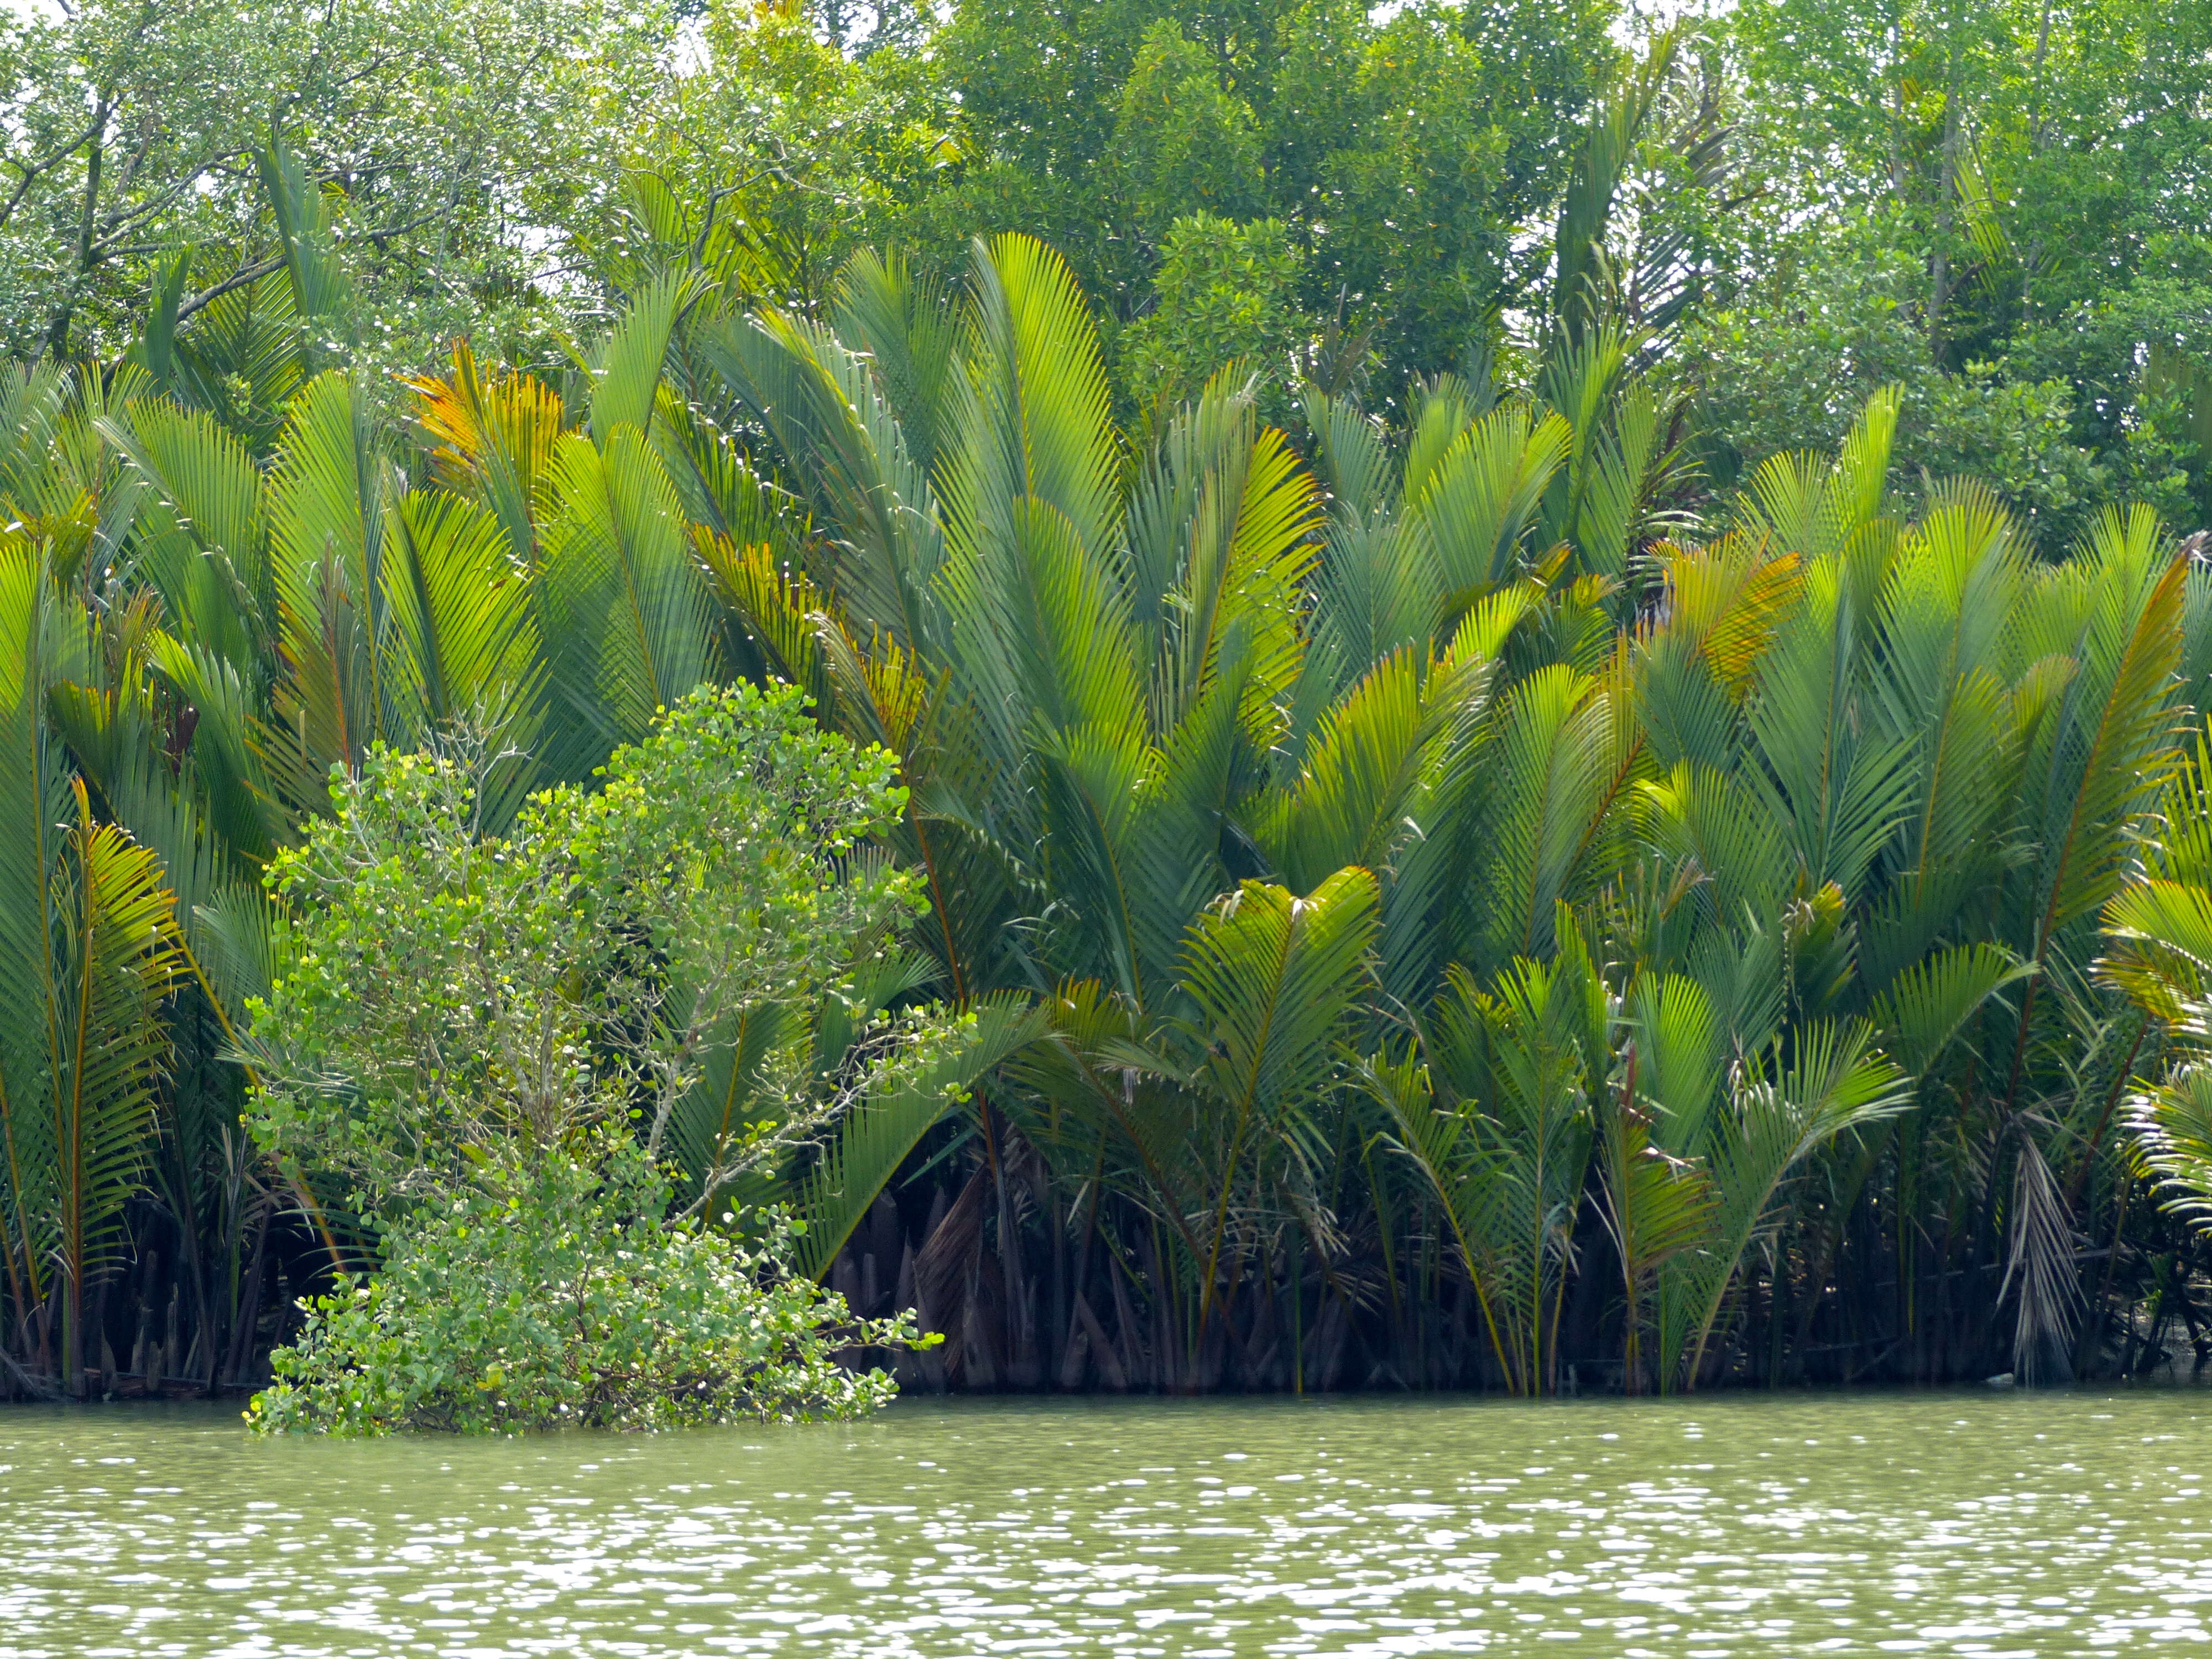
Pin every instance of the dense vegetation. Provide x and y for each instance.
(1540, 687)
(508, 1042)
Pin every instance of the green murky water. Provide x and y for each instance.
(1981, 1524)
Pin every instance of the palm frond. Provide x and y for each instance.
(892, 1119)
(626, 371)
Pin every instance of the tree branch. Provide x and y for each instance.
(241, 278)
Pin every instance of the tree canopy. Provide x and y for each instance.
(1999, 209)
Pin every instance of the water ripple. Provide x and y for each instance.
(1942, 1524)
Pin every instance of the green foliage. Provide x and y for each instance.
(2159, 932)
(444, 996)
(555, 1295)
(131, 133)
(1790, 371)
(499, 1038)
(2000, 186)
(1396, 154)
(1228, 296)
(773, 159)
(1190, 147)
(90, 928)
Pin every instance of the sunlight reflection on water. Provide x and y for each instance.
(1949, 1523)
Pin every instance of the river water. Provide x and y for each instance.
(1985, 1523)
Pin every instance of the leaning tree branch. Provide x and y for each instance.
(242, 277)
(33, 170)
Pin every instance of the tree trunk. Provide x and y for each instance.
(249, 1309)
(1896, 110)
(1946, 215)
(73, 1335)
(2035, 148)
(58, 334)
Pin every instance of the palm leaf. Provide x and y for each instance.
(33, 787)
(1479, 501)
(322, 289)
(625, 608)
(1834, 1081)
(1553, 762)
(1922, 1007)
(496, 439)
(119, 961)
(628, 370)
(462, 644)
(1271, 978)
(1040, 428)
(893, 1117)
